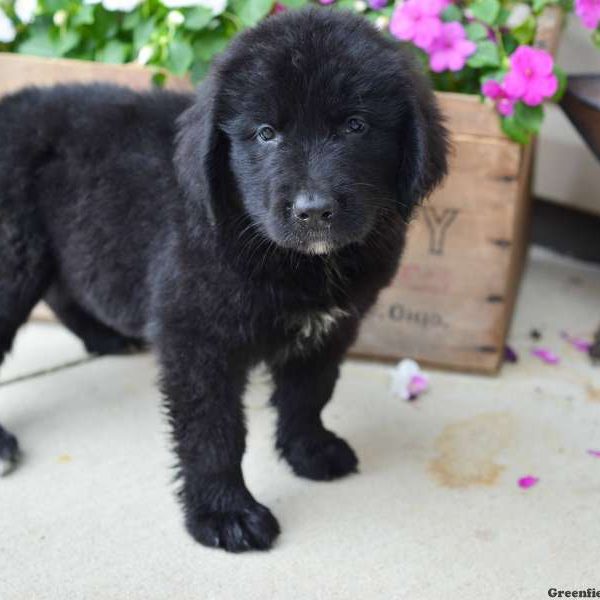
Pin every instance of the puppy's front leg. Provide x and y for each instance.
(303, 386)
(203, 392)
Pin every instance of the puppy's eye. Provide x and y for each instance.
(266, 133)
(355, 125)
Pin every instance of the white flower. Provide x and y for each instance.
(25, 10)
(60, 18)
(217, 6)
(382, 22)
(7, 30)
(408, 381)
(121, 5)
(175, 18)
(144, 55)
(360, 6)
(518, 15)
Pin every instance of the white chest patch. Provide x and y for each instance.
(311, 329)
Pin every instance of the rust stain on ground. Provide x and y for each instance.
(467, 450)
(593, 393)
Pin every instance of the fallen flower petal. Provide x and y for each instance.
(408, 381)
(528, 481)
(546, 355)
(595, 453)
(510, 355)
(577, 342)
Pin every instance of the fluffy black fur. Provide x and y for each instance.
(256, 221)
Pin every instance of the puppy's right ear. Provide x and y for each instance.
(201, 152)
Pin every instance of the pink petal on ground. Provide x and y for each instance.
(549, 357)
(577, 342)
(510, 355)
(595, 453)
(528, 481)
(418, 384)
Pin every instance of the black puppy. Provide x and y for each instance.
(255, 222)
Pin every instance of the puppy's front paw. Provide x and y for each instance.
(320, 455)
(250, 528)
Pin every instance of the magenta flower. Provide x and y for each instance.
(451, 48)
(589, 12)
(531, 78)
(546, 355)
(418, 21)
(378, 4)
(528, 481)
(505, 105)
(326, 1)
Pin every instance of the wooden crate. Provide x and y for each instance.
(451, 302)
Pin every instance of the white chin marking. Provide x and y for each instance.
(319, 247)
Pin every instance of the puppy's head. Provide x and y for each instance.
(319, 124)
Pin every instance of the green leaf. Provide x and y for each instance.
(180, 57)
(596, 38)
(486, 55)
(38, 44)
(131, 20)
(67, 41)
(159, 79)
(562, 84)
(514, 131)
(114, 53)
(529, 117)
(539, 5)
(525, 33)
(452, 13)
(251, 12)
(476, 31)
(53, 6)
(198, 71)
(209, 43)
(293, 3)
(198, 18)
(486, 10)
(142, 34)
(84, 16)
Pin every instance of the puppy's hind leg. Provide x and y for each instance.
(96, 337)
(25, 272)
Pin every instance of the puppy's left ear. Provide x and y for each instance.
(201, 153)
(425, 146)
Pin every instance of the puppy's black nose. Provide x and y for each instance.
(313, 209)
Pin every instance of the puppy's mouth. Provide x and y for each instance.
(316, 243)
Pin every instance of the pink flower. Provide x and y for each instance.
(278, 8)
(546, 355)
(594, 453)
(451, 48)
(528, 481)
(378, 4)
(531, 78)
(577, 343)
(589, 12)
(326, 1)
(505, 105)
(418, 21)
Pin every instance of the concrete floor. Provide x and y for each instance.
(436, 512)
